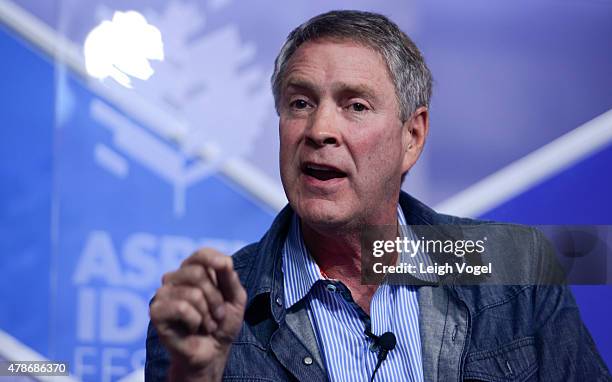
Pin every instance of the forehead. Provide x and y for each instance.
(328, 61)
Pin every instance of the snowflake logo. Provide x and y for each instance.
(212, 102)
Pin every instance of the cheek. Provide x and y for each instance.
(289, 132)
(289, 141)
(377, 154)
(285, 158)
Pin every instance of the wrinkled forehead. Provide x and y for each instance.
(301, 57)
(340, 41)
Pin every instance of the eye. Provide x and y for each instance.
(299, 104)
(358, 107)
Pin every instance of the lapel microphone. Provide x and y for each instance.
(385, 343)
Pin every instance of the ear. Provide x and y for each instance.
(415, 131)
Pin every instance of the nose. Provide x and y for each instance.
(323, 129)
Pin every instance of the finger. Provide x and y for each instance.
(213, 297)
(208, 257)
(230, 285)
(186, 274)
(212, 275)
(197, 276)
(195, 296)
(173, 317)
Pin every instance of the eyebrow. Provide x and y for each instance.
(357, 89)
(361, 90)
(301, 84)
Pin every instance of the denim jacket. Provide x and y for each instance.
(484, 333)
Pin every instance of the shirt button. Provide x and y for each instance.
(279, 302)
(307, 361)
(331, 287)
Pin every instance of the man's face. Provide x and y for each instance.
(343, 147)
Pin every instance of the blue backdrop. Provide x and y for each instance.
(93, 211)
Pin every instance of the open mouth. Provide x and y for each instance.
(322, 172)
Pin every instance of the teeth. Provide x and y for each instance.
(320, 168)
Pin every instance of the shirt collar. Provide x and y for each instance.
(265, 274)
(300, 271)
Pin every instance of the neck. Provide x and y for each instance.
(337, 252)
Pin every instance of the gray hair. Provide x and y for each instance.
(407, 68)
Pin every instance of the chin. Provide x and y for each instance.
(322, 213)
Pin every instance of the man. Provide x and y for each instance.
(352, 92)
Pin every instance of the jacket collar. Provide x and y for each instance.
(266, 276)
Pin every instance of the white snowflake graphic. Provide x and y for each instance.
(217, 100)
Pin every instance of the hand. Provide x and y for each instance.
(198, 311)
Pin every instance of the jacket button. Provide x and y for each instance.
(307, 361)
(279, 302)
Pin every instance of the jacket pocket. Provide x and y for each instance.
(513, 362)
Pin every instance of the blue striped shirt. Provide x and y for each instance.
(339, 323)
